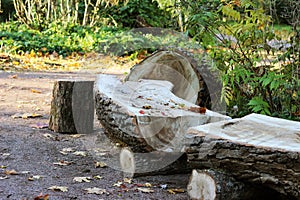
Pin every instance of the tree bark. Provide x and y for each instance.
(153, 163)
(146, 115)
(72, 107)
(254, 149)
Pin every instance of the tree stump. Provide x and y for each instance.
(72, 107)
(192, 78)
(256, 149)
(146, 115)
(152, 163)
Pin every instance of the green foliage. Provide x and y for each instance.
(17, 38)
(125, 14)
(64, 40)
(257, 76)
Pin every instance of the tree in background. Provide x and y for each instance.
(39, 14)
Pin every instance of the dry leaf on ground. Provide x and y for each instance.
(66, 151)
(82, 179)
(62, 163)
(11, 172)
(100, 164)
(175, 191)
(96, 190)
(36, 177)
(118, 184)
(145, 190)
(58, 188)
(26, 115)
(42, 197)
(97, 177)
(127, 180)
(35, 91)
(80, 153)
(147, 185)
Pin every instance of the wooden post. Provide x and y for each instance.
(72, 107)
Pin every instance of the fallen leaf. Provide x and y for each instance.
(100, 164)
(118, 184)
(26, 115)
(32, 178)
(80, 153)
(147, 185)
(2, 166)
(66, 151)
(11, 172)
(127, 180)
(164, 186)
(58, 188)
(62, 163)
(96, 190)
(50, 136)
(146, 106)
(145, 190)
(36, 91)
(42, 197)
(175, 191)
(200, 110)
(97, 177)
(182, 105)
(77, 135)
(82, 179)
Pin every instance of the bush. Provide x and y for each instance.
(258, 75)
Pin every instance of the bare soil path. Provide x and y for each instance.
(33, 158)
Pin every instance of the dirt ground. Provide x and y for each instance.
(34, 159)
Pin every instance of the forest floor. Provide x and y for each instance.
(36, 163)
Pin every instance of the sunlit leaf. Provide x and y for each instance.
(82, 179)
(62, 163)
(11, 172)
(80, 153)
(145, 190)
(96, 190)
(175, 191)
(58, 188)
(100, 164)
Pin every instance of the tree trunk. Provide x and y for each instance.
(146, 115)
(72, 107)
(255, 149)
(153, 163)
(192, 77)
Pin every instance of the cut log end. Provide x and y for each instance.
(201, 186)
(127, 162)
